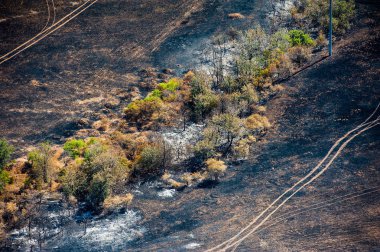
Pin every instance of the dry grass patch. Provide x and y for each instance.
(236, 16)
(118, 201)
(215, 168)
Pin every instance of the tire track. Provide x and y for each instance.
(47, 31)
(48, 19)
(364, 124)
(317, 206)
(236, 243)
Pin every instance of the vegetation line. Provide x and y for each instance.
(301, 70)
(365, 123)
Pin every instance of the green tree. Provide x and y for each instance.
(98, 191)
(200, 84)
(103, 171)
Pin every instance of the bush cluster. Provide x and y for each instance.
(315, 14)
(6, 151)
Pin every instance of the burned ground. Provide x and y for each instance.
(45, 88)
(319, 106)
(76, 70)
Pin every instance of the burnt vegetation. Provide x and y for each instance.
(227, 100)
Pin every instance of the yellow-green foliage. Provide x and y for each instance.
(165, 90)
(172, 85)
(161, 107)
(257, 122)
(242, 147)
(141, 111)
(205, 103)
(190, 178)
(74, 147)
(299, 38)
(118, 201)
(215, 167)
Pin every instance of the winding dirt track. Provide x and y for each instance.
(234, 241)
(47, 31)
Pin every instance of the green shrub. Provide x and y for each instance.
(103, 171)
(152, 161)
(155, 94)
(299, 38)
(220, 135)
(280, 40)
(205, 104)
(4, 179)
(317, 14)
(200, 84)
(74, 147)
(40, 160)
(172, 85)
(252, 43)
(98, 191)
(74, 182)
(343, 13)
(6, 151)
(141, 111)
(204, 149)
